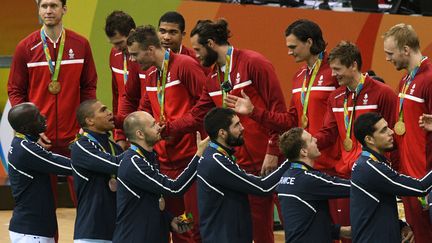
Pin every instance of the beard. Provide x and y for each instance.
(210, 58)
(233, 141)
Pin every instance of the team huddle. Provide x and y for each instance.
(336, 158)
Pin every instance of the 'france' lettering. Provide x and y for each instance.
(287, 180)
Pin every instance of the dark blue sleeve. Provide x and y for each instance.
(42, 160)
(381, 178)
(322, 186)
(143, 175)
(88, 155)
(230, 175)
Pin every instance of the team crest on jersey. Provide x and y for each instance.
(320, 80)
(71, 54)
(412, 89)
(365, 99)
(237, 78)
(169, 77)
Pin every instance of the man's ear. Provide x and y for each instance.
(369, 140)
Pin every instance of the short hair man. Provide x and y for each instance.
(174, 84)
(374, 214)
(402, 49)
(141, 212)
(95, 164)
(55, 89)
(223, 187)
(34, 219)
(304, 192)
(118, 24)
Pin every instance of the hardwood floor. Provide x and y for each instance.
(66, 218)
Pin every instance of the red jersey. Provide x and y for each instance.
(323, 85)
(254, 74)
(374, 97)
(133, 97)
(30, 75)
(184, 85)
(119, 83)
(415, 145)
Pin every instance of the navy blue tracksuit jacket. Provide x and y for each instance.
(223, 203)
(29, 169)
(303, 195)
(140, 186)
(374, 215)
(93, 165)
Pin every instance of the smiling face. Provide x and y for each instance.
(51, 12)
(205, 54)
(343, 74)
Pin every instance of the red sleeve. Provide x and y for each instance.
(129, 101)
(267, 84)
(18, 82)
(388, 109)
(192, 76)
(329, 133)
(145, 104)
(191, 121)
(115, 94)
(277, 121)
(88, 76)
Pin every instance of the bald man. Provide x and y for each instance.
(141, 213)
(34, 218)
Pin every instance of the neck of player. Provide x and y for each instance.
(311, 61)
(53, 32)
(159, 58)
(222, 52)
(415, 60)
(354, 83)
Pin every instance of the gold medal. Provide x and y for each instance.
(304, 121)
(112, 183)
(161, 203)
(54, 87)
(399, 128)
(348, 144)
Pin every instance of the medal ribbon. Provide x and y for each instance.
(93, 139)
(161, 84)
(125, 69)
(136, 149)
(226, 84)
(407, 83)
(53, 70)
(368, 154)
(20, 135)
(349, 118)
(305, 97)
(222, 151)
(294, 165)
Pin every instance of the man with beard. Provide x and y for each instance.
(402, 49)
(223, 187)
(173, 85)
(34, 219)
(374, 214)
(95, 164)
(235, 70)
(141, 212)
(117, 27)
